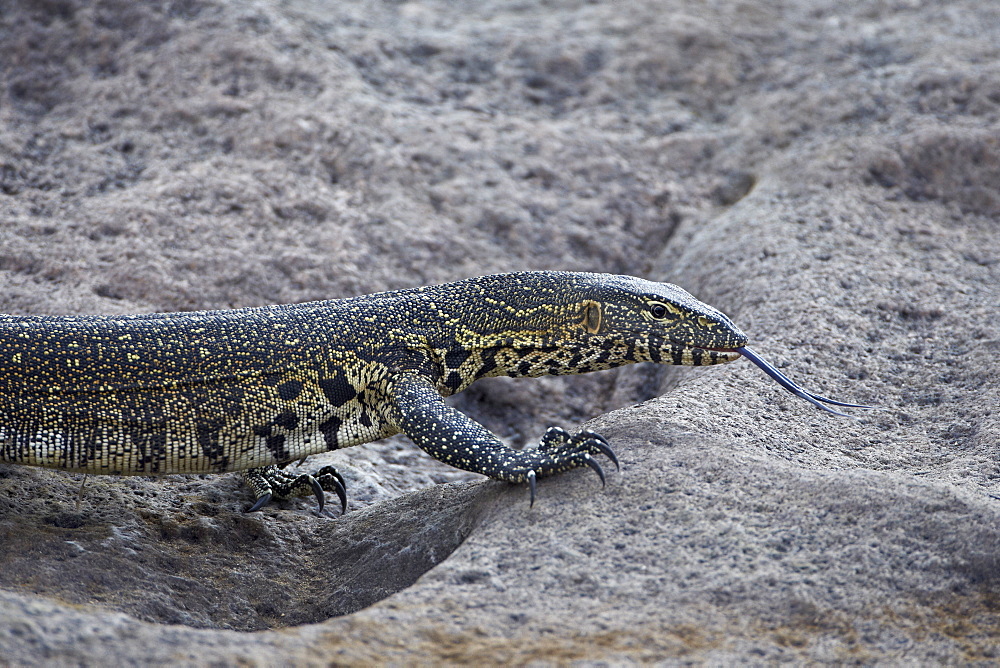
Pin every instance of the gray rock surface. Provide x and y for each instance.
(827, 175)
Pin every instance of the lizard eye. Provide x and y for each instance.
(658, 311)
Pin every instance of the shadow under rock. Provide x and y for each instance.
(206, 566)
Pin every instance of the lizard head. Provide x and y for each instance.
(540, 323)
(656, 322)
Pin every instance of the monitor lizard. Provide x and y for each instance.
(254, 389)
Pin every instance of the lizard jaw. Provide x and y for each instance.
(683, 354)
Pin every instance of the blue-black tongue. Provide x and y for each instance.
(792, 387)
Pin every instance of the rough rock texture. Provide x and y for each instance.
(828, 175)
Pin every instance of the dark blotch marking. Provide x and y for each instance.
(489, 364)
(151, 448)
(290, 389)
(329, 430)
(207, 433)
(83, 445)
(287, 420)
(456, 358)
(677, 355)
(524, 368)
(654, 354)
(157, 450)
(263, 430)
(276, 444)
(337, 390)
(453, 381)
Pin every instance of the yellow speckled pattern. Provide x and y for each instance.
(232, 390)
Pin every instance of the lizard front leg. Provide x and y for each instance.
(455, 439)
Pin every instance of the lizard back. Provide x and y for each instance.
(198, 392)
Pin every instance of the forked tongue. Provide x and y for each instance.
(790, 385)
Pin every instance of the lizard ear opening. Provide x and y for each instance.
(592, 316)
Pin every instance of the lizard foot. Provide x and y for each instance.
(586, 440)
(270, 482)
(562, 451)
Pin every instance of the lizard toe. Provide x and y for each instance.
(331, 481)
(592, 463)
(554, 437)
(594, 443)
(341, 491)
(262, 501)
(317, 490)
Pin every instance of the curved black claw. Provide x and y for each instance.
(260, 503)
(592, 463)
(792, 387)
(341, 494)
(610, 454)
(602, 445)
(318, 492)
(331, 476)
(531, 486)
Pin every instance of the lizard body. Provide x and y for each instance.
(254, 389)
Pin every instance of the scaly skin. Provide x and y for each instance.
(254, 389)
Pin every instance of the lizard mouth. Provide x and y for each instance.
(730, 353)
(719, 354)
(688, 355)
